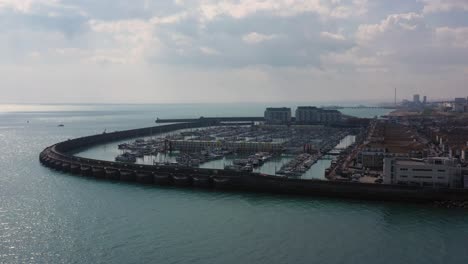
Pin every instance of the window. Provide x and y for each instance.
(441, 170)
(403, 169)
(422, 169)
(422, 177)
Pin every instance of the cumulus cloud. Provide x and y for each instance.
(266, 43)
(332, 36)
(26, 6)
(434, 6)
(240, 9)
(134, 40)
(404, 41)
(452, 37)
(209, 51)
(170, 19)
(254, 37)
(394, 26)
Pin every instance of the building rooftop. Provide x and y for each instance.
(278, 109)
(410, 162)
(438, 161)
(330, 111)
(307, 108)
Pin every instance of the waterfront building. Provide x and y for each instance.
(278, 115)
(460, 105)
(307, 114)
(330, 116)
(434, 172)
(311, 114)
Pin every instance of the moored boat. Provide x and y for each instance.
(126, 157)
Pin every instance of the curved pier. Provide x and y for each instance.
(59, 158)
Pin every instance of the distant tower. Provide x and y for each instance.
(395, 95)
(424, 99)
(416, 99)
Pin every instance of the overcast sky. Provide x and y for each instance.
(141, 51)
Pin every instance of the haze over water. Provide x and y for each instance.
(51, 217)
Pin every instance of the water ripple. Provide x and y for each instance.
(49, 217)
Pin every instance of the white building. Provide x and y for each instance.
(434, 172)
(278, 115)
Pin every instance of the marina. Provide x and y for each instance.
(59, 157)
(315, 143)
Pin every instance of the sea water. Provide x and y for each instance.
(51, 217)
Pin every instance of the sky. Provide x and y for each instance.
(197, 51)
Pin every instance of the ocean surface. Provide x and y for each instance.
(50, 217)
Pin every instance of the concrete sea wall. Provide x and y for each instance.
(58, 157)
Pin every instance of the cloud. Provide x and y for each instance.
(404, 42)
(170, 19)
(242, 8)
(270, 44)
(435, 6)
(452, 37)
(332, 36)
(26, 6)
(394, 26)
(254, 37)
(132, 40)
(209, 51)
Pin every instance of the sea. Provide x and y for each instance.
(51, 217)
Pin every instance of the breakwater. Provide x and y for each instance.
(213, 119)
(59, 158)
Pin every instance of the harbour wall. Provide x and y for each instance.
(214, 119)
(59, 157)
